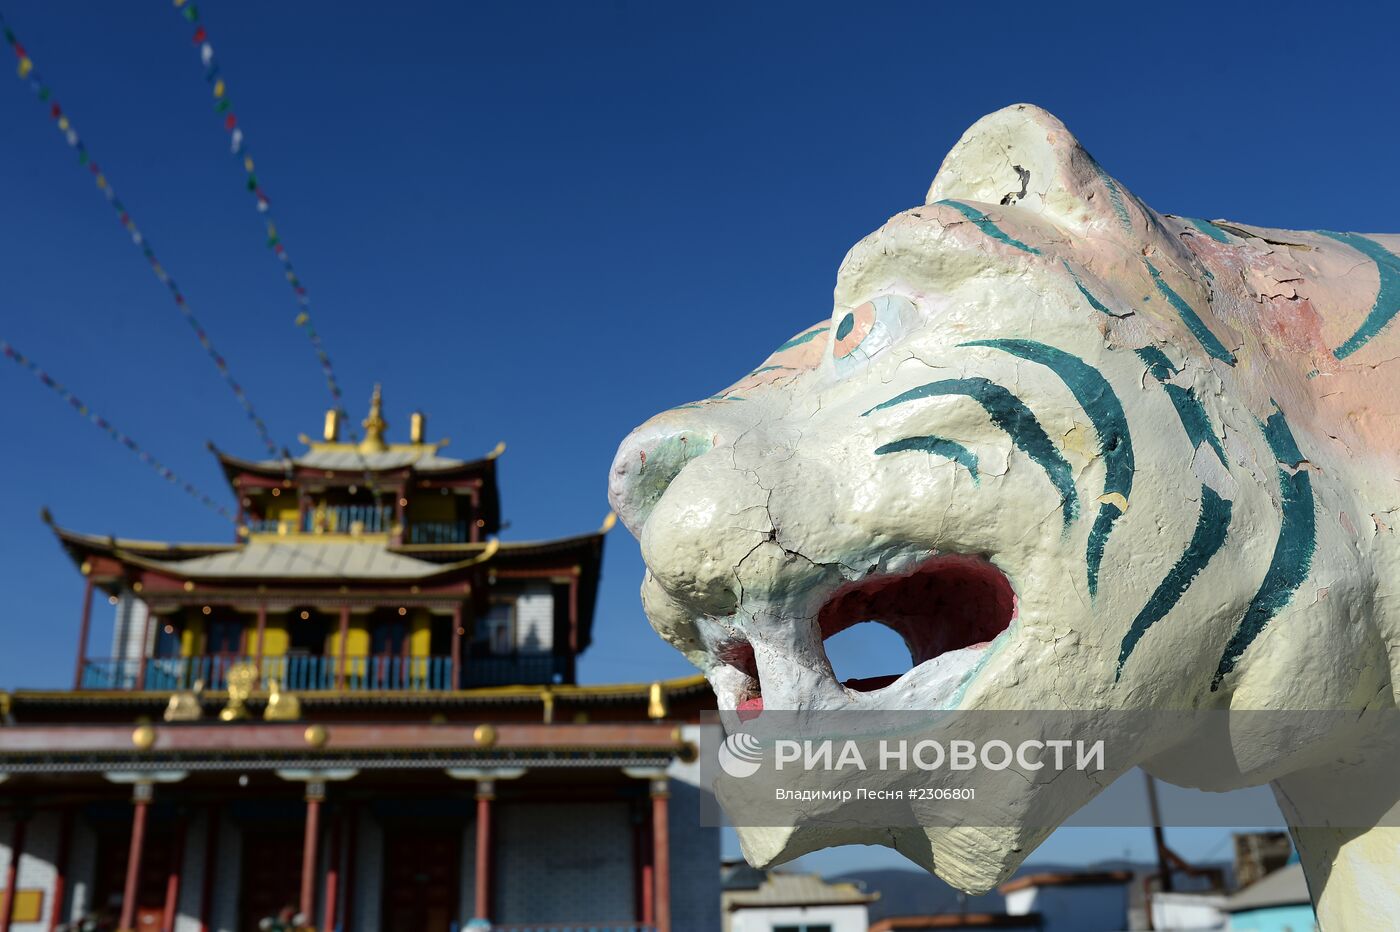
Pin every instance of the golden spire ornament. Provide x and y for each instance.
(374, 425)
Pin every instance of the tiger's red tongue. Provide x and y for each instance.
(749, 708)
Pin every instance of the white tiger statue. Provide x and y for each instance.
(1080, 455)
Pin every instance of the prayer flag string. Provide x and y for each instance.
(28, 73)
(238, 147)
(165, 472)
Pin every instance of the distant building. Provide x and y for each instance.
(1258, 854)
(1187, 911)
(1080, 901)
(1277, 903)
(776, 901)
(363, 708)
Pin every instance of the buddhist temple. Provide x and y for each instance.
(363, 708)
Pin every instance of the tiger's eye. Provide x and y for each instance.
(852, 329)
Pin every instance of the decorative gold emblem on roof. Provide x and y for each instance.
(374, 425)
(184, 705)
(143, 737)
(281, 707)
(656, 701)
(331, 431)
(242, 677)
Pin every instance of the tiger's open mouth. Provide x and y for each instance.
(947, 611)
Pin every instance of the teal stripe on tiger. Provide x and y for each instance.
(1212, 526)
(1189, 409)
(1209, 341)
(988, 226)
(1010, 414)
(1387, 293)
(1293, 552)
(802, 338)
(1094, 302)
(938, 446)
(1115, 196)
(1209, 229)
(1105, 412)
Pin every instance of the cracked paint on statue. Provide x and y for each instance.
(1079, 455)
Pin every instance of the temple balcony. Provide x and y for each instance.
(312, 672)
(441, 532)
(331, 519)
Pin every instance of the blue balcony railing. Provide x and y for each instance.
(340, 519)
(515, 670)
(439, 532)
(301, 672)
(333, 519)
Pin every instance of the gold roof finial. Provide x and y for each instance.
(374, 425)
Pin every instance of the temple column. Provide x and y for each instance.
(141, 793)
(661, 851)
(457, 646)
(331, 895)
(83, 632)
(641, 864)
(7, 898)
(485, 841)
(315, 782)
(315, 795)
(485, 796)
(173, 874)
(659, 787)
(60, 880)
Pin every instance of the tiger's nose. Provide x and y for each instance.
(649, 459)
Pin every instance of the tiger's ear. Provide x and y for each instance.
(1024, 158)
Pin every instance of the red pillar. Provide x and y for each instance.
(485, 795)
(141, 801)
(641, 854)
(83, 634)
(457, 646)
(332, 891)
(7, 899)
(172, 877)
(344, 638)
(315, 793)
(661, 852)
(60, 880)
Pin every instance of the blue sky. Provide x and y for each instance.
(544, 222)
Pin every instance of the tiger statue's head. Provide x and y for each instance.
(1077, 453)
